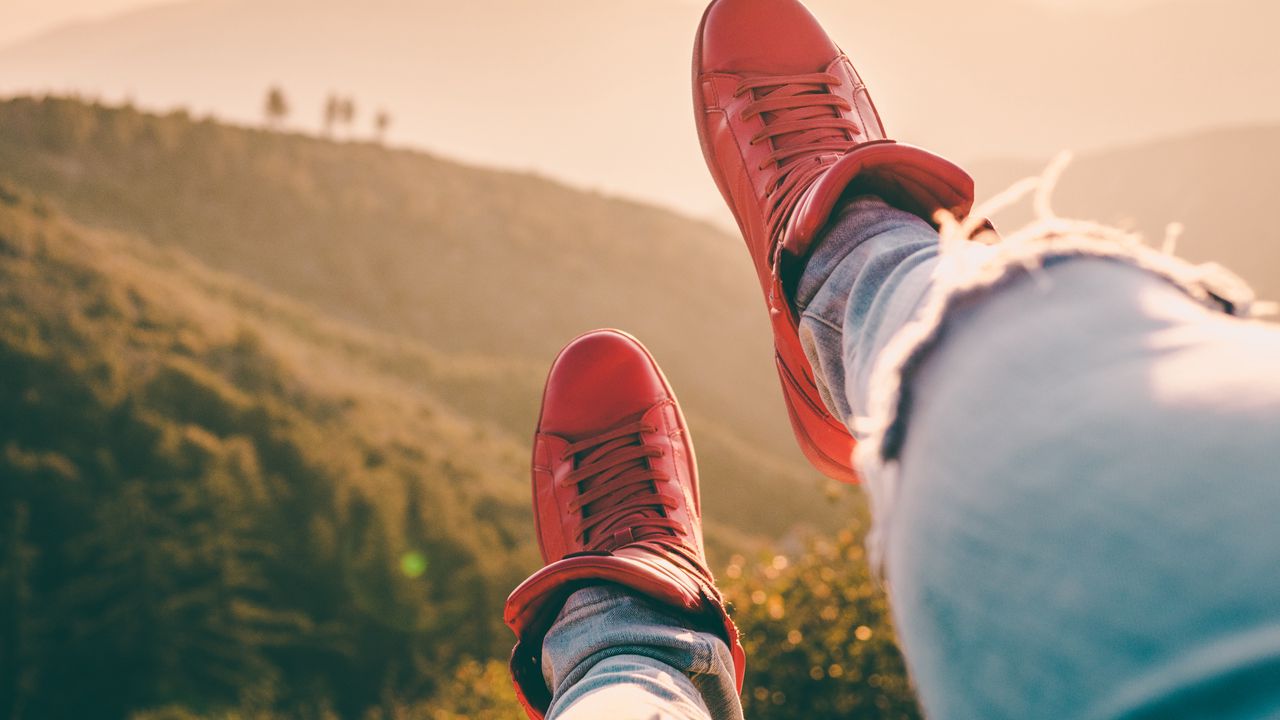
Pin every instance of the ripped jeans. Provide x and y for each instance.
(1073, 453)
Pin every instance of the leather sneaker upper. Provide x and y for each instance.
(778, 103)
(612, 459)
(615, 495)
(787, 127)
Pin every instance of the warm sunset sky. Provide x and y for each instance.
(27, 17)
(596, 92)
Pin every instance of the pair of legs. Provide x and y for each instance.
(1077, 511)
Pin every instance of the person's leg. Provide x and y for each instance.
(612, 653)
(1081, 481)
(866, 278)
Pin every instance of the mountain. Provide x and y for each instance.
(493, 269)
(207, 491)
(499, 269)
(216, 502)
(597, 92)
(260, 451)
(1218, 184)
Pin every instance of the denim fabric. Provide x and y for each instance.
(864, 280)
(1086, 506)
(612, 654)
(1086, 521)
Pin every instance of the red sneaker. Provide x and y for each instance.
(787, 126)
(615, 497)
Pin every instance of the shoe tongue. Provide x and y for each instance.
(802, 137)
(624, 528)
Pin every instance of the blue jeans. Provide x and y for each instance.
(614, 655)
(1073, 455)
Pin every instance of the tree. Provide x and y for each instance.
(381, 123)
(339, 111)
(349, 114)
(277, 108)
(332, 114)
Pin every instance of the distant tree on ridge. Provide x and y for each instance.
(332, 114)
(339, 112)
(381, 123)
(277, 108)
(349, 114)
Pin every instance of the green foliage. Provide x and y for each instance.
(478, 691)
(217, 501)
(818, 636)
(496, 269)
(195, 519)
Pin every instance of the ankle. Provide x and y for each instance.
(842, 235)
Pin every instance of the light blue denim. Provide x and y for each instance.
(1086, 515)
(1086, 518)
(612, 655)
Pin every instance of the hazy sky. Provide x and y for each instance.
(219, 56)
(27, 17)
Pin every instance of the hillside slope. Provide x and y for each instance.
(203, 483)
(216, 500)
(495, 269)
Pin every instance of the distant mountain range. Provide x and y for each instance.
(493, 271)
(205, 487)
(1220, 185)
(268, 399)
(597, 92)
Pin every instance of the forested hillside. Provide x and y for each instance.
(212, 493)
(254, 497)
(498, 269)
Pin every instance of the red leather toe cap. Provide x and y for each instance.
(777, 36)
(599, 380)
